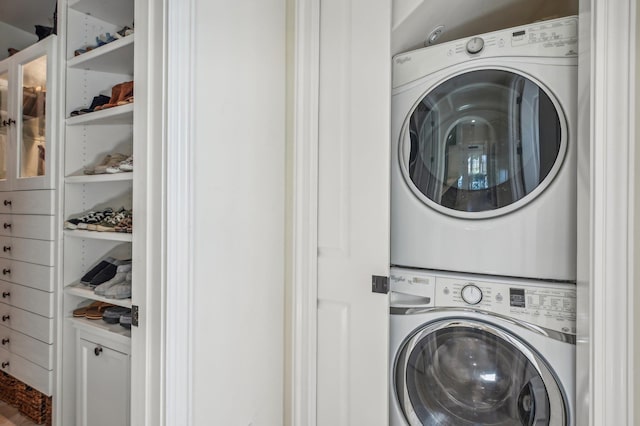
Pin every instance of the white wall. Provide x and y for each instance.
(636, 236)
(239, 178)
(14, 37)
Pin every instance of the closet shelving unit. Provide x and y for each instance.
(95, 355)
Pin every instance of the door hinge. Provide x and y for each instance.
(379, 284)
(134, 315)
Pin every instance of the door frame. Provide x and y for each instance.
(606, 243)
(304, 285)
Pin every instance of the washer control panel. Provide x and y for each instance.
(551, 306)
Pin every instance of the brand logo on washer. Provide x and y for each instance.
(402, 60)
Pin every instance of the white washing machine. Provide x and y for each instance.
(473, 350)
(483, 172)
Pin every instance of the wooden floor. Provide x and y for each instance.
(9, 416)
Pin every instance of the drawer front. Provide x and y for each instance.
(28, 226)
(27, 250)
(29, 274)
(27, 298)
(26, 371)
(28, 202)
(26, 322)
(27, 347)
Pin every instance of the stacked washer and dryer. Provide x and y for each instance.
(483, 229)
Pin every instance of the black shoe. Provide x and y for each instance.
(86, 278)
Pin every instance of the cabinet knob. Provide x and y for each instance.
(7, 202)
(5, 340)
(6, 248)
(97, 350)
(6, 271)
(8, 122)
(5, 294)
(12, 121)
(5, 364)
(7, 225)
(6, 318)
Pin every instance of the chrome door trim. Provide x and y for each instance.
(559, 415)
(546, 332)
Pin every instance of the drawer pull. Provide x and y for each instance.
(6, 248)
(7, 202)
(6, 271)
(5, 364)
(7, 226)
(97, 350)
(5, 340)
(6, 318)
(5, 294)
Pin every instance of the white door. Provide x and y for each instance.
(353, 211)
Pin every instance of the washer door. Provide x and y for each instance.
(465, 372)
(483, 143)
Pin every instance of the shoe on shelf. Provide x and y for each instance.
(86, 278)
(121, 94)
(113, 160)
(110, 271)
(88, 218)
(109, 224)
(125, 320)
(126, 224)
(112, 315)
(125, 31)
(97, 101)
(121, 290)
(125, 165)
(82, 310)
(119, 277)
(95, 313)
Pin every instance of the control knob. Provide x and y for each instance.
(471, 294)
(475, 45)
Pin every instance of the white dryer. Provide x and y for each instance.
(483, 172)
(473, 350)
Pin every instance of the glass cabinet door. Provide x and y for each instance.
(33, 137)
(4, 124)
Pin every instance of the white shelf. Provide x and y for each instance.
(118, 12)
(117, 115)
(83, 291)
(115, 57)
(115, 332)
(105, 177)
(95, 235)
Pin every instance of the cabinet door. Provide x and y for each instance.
(5, 128)
(35, 122)
(102, 387)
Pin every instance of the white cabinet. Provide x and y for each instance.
(27, 127)
(102, 382)
(95, 355)
(28, 145)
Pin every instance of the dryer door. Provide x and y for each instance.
(466, 372)
(483, 143)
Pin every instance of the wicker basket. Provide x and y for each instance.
(8, 392)
(32, 403)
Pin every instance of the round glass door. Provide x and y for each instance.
(466, 373)
(482, 143)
